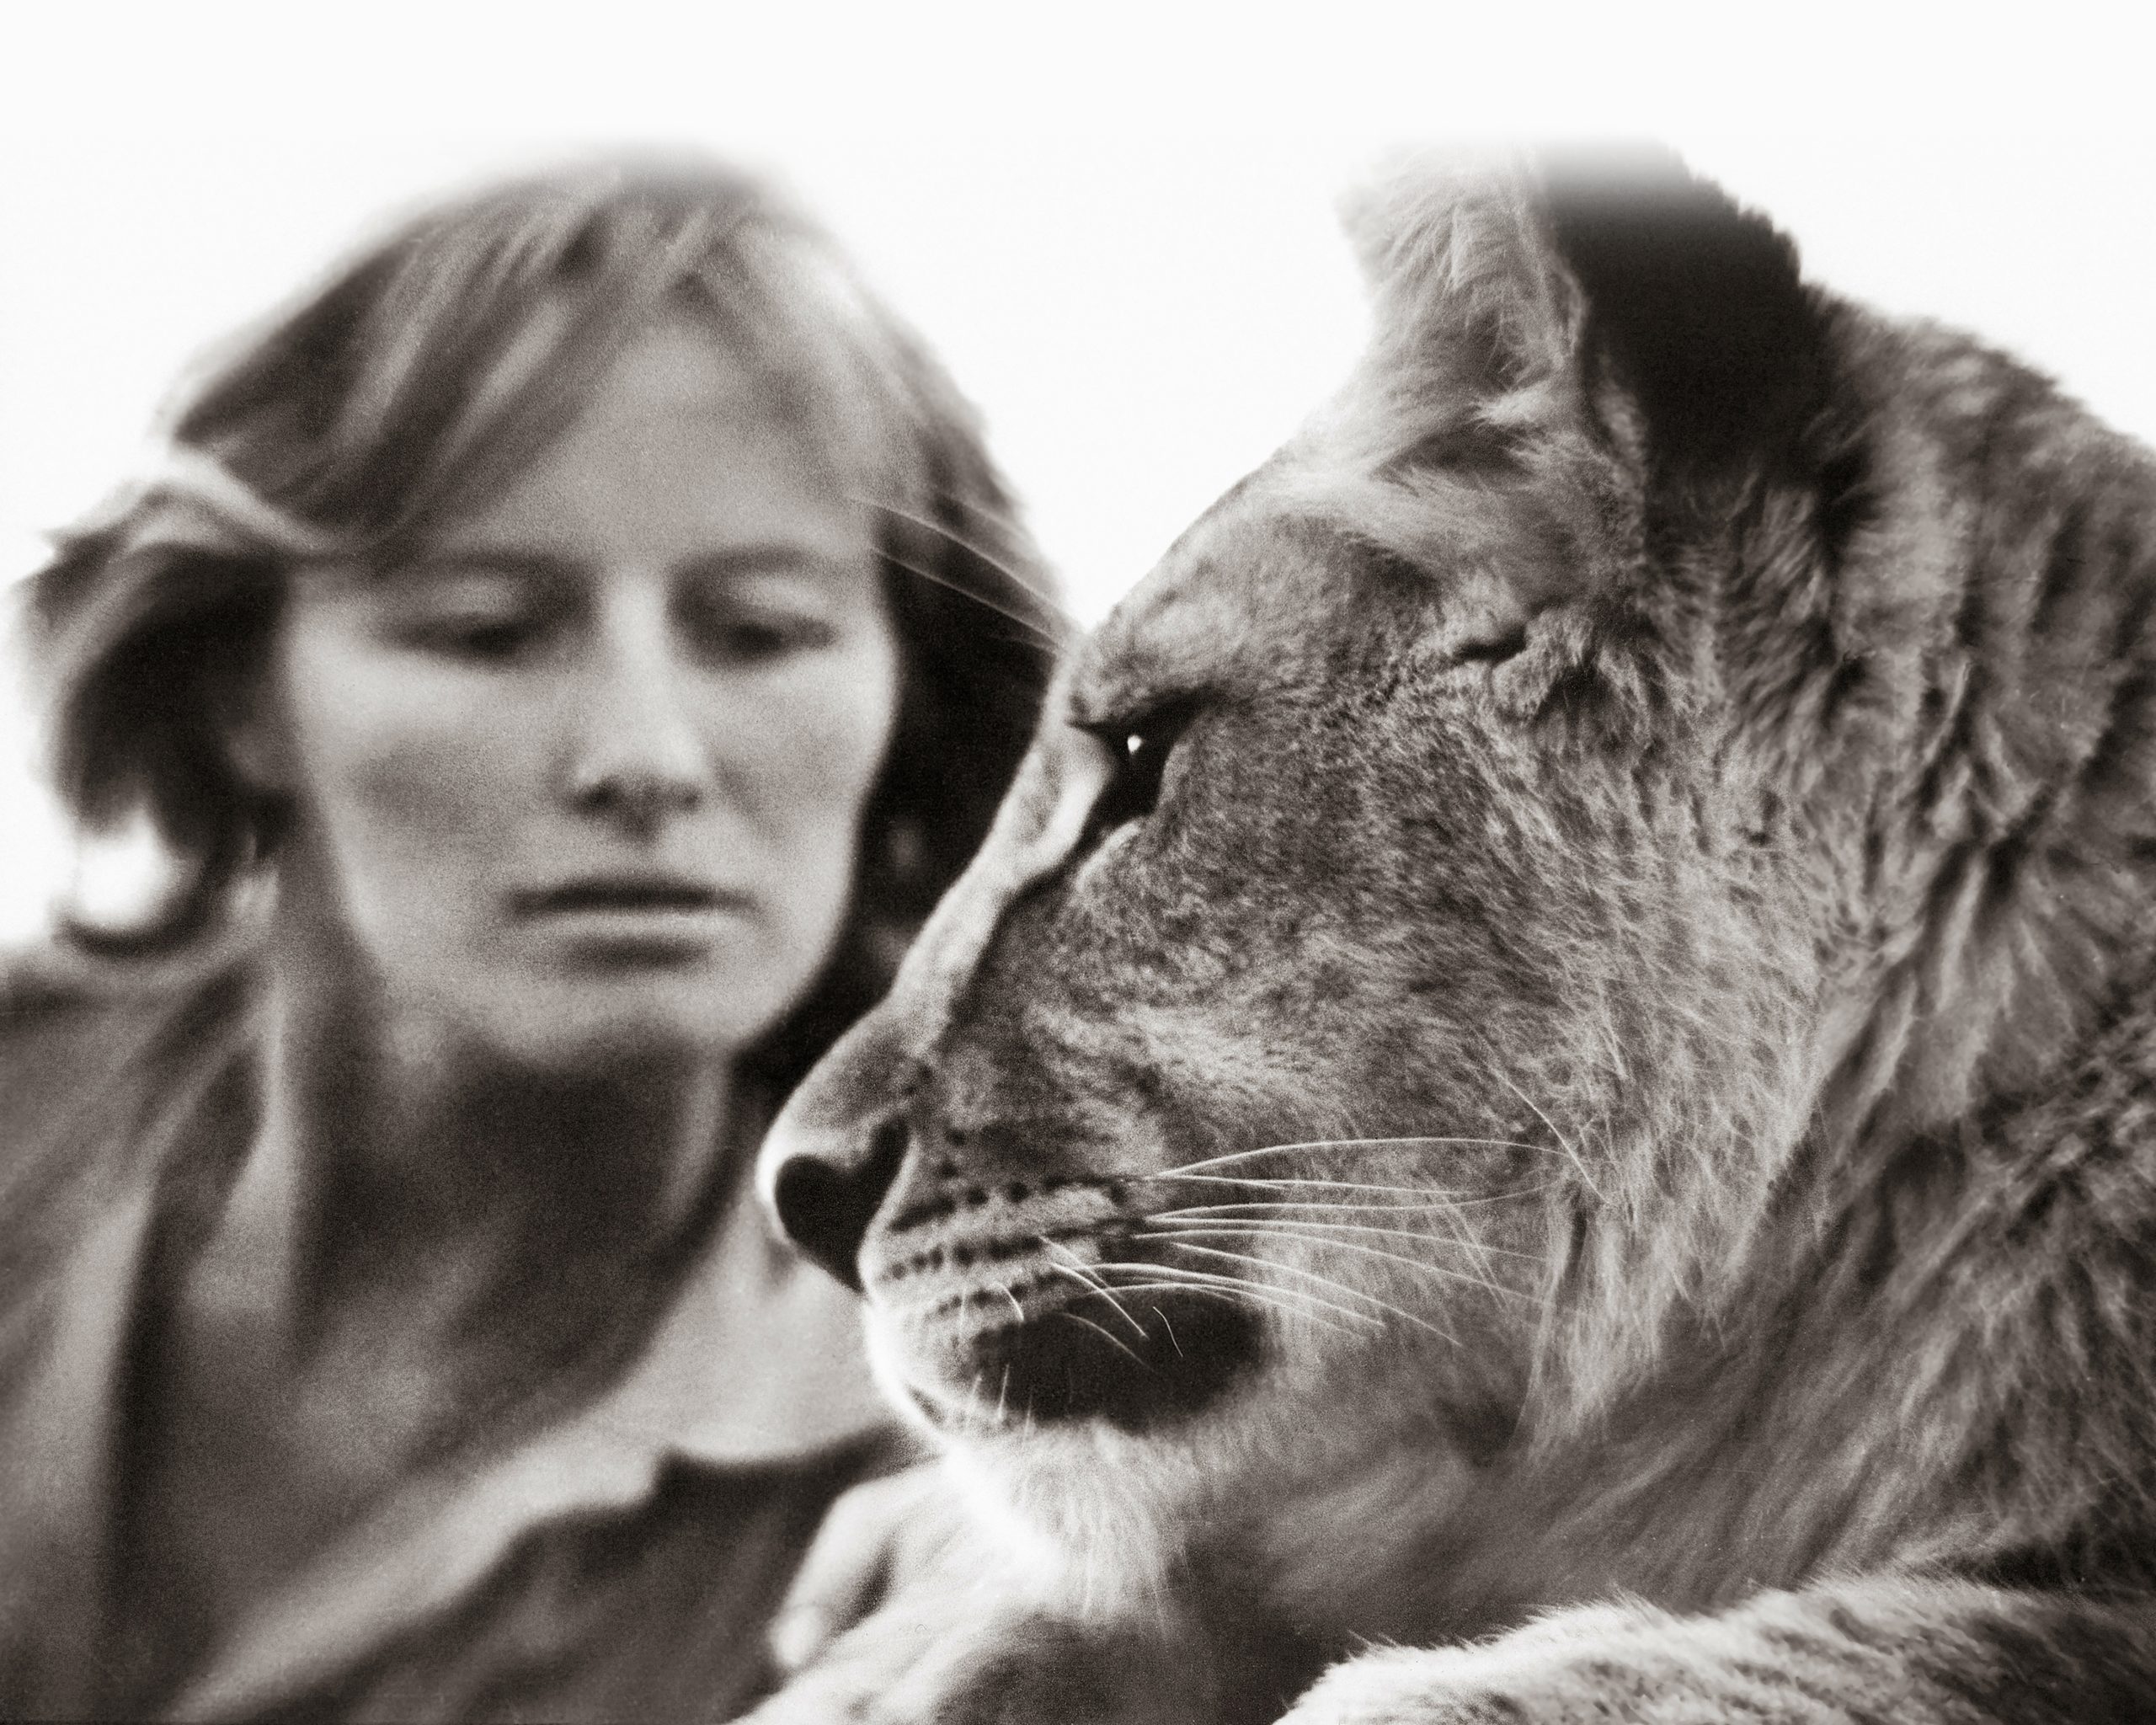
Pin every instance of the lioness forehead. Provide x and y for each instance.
(1309, 546)
(1242, 601)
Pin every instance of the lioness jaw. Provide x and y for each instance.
(1564, 1008)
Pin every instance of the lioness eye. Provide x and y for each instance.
(1142, 750)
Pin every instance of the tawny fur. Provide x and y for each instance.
(1683, 749)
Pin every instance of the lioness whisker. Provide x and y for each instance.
(1438, 1272)
(1007, 521)
(1017, 578)
(1579, 1163)
(1296, 1302)
(1225, 1215)
(1253, 1183)
(1016, 618)
(1181, 1244)
(1419, 1140)
(1235, 1291)
(1094, 1285)
(1432, 1192)
(1248, 1182)
(1333, 1207)
(1274, 1212)
(1113, 1341)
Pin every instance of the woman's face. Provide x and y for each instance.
(585, 777)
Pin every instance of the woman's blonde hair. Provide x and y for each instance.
(420, 380)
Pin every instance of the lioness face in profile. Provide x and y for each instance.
(1379, 912)
(1420, 1097)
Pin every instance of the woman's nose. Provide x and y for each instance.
(638, 754)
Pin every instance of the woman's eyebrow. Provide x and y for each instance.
(756, 557)
(494, 559)
(776, 556)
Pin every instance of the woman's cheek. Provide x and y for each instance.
(408, 776)
(827, 745)
(807, 740)
(861, 710)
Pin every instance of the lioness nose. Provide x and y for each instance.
(825, 1207)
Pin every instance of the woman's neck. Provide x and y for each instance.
(424, 1251)
(502, 1234)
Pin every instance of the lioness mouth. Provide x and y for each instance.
(1137, 1361)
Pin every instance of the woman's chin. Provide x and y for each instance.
(599, 1025)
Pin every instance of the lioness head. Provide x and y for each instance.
(1444, 900)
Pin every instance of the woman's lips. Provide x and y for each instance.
(669, 916)
(616, 893)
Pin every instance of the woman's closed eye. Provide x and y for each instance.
(490, 617)
(748, 622)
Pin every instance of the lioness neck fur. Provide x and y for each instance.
(1562, 1018)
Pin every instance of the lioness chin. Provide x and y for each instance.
(1553, 1061)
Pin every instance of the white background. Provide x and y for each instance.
(1114, 221)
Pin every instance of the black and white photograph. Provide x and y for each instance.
(1180, 866)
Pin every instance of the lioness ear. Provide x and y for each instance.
(1695, 308)
(1475, 316)
(1519, 295)
(1575, 360)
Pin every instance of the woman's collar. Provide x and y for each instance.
(758, 1361)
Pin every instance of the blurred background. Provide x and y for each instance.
(1119, 229)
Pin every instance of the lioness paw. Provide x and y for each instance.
(1402, 1687)
(1570, 1667)
(1006, 1669)
(1631, 1663)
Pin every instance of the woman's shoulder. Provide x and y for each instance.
(55, 1014)
(52, 979)
(95, 1061)
(60, 1011)
(87, 1047)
